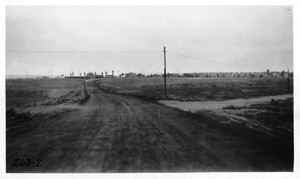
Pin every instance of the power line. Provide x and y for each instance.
(118, 52)
(187, 56)
(36, 51)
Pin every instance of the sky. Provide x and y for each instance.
(221, 38)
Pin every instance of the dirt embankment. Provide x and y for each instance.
(56, 99)
(36, 92)
(78, 95)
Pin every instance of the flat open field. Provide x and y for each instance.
(83, 126)
(194, 89)
(22, 92)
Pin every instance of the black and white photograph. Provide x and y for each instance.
(149, 89)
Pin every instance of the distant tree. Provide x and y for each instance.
(282, 74)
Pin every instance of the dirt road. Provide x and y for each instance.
(194, 106)
(115, 133)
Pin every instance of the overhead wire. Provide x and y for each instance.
(120, 52)
(35, 51)
(187, 56)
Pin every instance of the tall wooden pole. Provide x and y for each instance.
(165, 73)
(288, 80)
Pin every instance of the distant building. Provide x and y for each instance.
(90, 75)
(130, 74)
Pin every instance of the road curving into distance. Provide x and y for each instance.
(116, 133)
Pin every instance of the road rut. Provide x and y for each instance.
(115, 133)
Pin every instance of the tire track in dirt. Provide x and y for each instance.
(115, 133)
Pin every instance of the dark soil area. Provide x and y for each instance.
(277, 116)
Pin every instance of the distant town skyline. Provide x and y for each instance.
(131, 39)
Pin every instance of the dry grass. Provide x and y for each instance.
(23, 92)
(192, 89)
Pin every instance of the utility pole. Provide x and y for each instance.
(288, 80)
(165, 73)
(27, 73)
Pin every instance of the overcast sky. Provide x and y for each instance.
(241, 38)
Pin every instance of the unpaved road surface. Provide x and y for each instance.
(194, 106)
(115, 133)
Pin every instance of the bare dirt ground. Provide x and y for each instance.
(116, 133)
(272, 115)
(194, 106)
